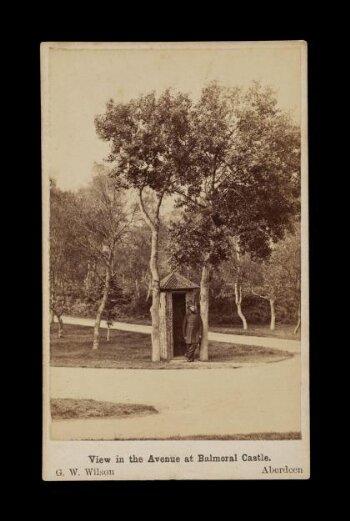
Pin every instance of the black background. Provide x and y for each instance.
(286, 22)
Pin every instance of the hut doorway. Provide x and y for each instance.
(175, 293)
(179, 312)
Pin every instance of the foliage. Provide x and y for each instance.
(67, 268)
(192, 239)
(280, 276)
(147, 137)
(101, 217)
(117, 297)
(244, 161)
(230, 161)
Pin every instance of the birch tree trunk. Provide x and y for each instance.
(155, 295)
(101, 308)
(297, 327)
(60, 326)
(273, 314)
(149, 291)
(238, 301)
(137, 289)
(155, 282)
(204, 305)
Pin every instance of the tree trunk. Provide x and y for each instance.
(155, 296)
(242, 317)
(155, 283)
(137, 289)
(297, 327)
(101, 308)
(60, 326)
(108, 333)
(204, 305)
(52, 316)
(238, 301)
(273, 314)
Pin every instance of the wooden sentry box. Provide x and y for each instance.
(176, 293)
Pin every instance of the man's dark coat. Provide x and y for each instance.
(192, 328)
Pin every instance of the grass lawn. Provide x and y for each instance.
(281, 331)
(129, 350)
(66, 409)
(243, 437)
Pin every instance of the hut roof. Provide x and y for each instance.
(175, 281)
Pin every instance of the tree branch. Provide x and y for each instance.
(98, 254)
(159, 203)
(144, 212)
(258, 295)
(193, 201)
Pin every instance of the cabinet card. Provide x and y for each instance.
(175, 261)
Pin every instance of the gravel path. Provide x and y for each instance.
(275, 343)
(264, 398)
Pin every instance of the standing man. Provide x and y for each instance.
(192, 331)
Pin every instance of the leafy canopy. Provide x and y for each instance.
(148, 138)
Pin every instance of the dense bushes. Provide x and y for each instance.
(222, 311)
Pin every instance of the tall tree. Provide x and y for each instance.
(242, 173)
(196, 243)
(134, 267)
(237, 276)
(148, 137)
(268, 284)
(116, 297)
(66, 270)
(277, 279)
(102, 221)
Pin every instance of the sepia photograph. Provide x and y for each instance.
(175, 260)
